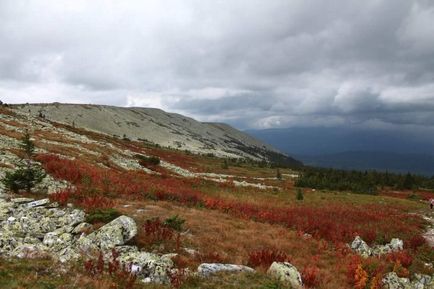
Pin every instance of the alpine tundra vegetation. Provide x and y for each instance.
(82, 208)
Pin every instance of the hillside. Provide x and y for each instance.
(158, 127)
(121, 213)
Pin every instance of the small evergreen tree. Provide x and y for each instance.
(278, 174)
(225, 165)
(28, 174)
(299, 195)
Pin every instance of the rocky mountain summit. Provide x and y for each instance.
(159, 127)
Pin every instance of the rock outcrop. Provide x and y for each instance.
(208, 269)
(392, 281)
(37, 228)
(363, 249)
(286, 273)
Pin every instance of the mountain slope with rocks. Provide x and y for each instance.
(159, 127)
(112, 212)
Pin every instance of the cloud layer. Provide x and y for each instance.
(255, 64)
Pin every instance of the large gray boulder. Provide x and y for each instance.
(207, 269)
(286, 273)
(116, 233)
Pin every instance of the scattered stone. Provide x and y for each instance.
(286, 273)
(207, 269)
(392, 281)
(22, 200)
(360, 247)
(38, 203)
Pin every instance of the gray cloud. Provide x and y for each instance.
(253, 63)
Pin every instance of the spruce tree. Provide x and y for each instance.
(28, 174)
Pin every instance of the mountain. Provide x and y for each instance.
(352, 148)
(159, 127)
(374, 160)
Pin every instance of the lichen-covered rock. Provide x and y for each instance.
(392, 281)
(207, 269)
(286, 273)
(56, 241)
(30, 251)
(82, 228)
(148, 266)
(117, 232)
(37, 203)
(360, 247)
(421, 281)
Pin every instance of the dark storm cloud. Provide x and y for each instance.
(252, 63)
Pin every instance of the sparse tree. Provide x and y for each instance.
(28, 174)
(278, 174)
(225, 165)
(299, 194)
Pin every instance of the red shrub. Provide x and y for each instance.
(415, 242)
(265, 257)
(61, 197)
(157, 232)
(309, 275)
(402, 257)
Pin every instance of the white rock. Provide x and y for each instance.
(207, 269)
(286, 273)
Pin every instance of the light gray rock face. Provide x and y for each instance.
(286, 273)
(34, 229)
(157, 126)
(115, 233)
(149, 267)
(207, 269)
(360, 247)
(392, 281)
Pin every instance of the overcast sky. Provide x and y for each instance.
(254, 64)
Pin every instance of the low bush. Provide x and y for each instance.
(175, 223)
(145, 161)
(265, 257)
(102, 216)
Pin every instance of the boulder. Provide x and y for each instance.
(207, 269)
(392, 281)
(421, 281)
(117, 232)
(286, 273)
(148, 266)
(360, 247)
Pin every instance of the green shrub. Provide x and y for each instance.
(102, 215)
(145, 161)
(174, 222)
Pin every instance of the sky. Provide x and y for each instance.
(251, 63)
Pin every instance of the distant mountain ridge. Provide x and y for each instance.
(351, 148)
(159, 127)
(381, 161)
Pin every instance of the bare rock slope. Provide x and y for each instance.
(159, 127)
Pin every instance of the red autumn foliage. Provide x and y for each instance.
(265, 257)
(61, 197)
(335, 222)
(402, 257)
(97, 268)
(156, 231)
(310, 276)
(415, 242)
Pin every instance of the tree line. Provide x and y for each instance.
(363, 182)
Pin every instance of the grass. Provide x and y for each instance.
(44, 274)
